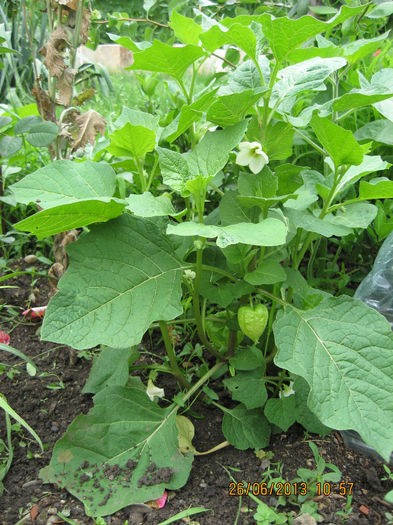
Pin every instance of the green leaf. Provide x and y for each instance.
(304, 416)
(370, 164)
(311, 223)
(110, 367)
(355, 215)
(102, 296)
(166, 59)
(247, 359)
(146, 205)
(138, 118)
(281, 412)
(246, 76)
(337, 141)
(238, 35)
(42, 134)
(376, 130)
(346, 349)
(126, 445)
(65, 181)
(384, 77)
(9, 410)
(4, 121)
(358, 49)
(246, 428)
(278, 141)
(132, 141)
(231, 211)
(380, 188)
(269, 232)
(307, 75)
(230, 109)
(224, 294)
(381, 10)
(9, 145)
(212, 152)
(248, 387)
(71, 215)
(357, 98)
(25, 124)
(267, 272)
(189, 114)
(186, 29)
(207, 159)
(128, 43)
(174, 169)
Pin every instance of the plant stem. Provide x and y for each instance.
(201, 381)
(312, 143)
(171, 355)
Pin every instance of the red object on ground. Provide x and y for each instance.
(39, 311)
(4, 338)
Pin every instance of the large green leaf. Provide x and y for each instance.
(269, 232)
(124, 451)
(381, 10)
(71, 215)
(138, 118)
(281, 411)
(358, 49)
(65, 181)
(246, 76)
(305, 220)
(380, 188)
(38, 132)
(132, 141)
(166, 59)
(338, 142)
(123, 275)
(267, 272)
(344, 350)
(370, 164)
(384, 77)
(246, 428)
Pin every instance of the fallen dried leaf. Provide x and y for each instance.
(34, 512)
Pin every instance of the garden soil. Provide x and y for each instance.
(49, 409)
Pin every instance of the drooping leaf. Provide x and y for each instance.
(65, 181)
(146, 205)
(346, 349)
(71, 215)
(246, 428)
(127, 446)
(122, 277)
(337, 141)
(269, 232)
(166, 59)
(357, 98)
(110, 367)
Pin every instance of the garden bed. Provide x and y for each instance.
(49, 409)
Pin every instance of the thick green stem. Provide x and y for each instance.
(201, 381)
(171, 355)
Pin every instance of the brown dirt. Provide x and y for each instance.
(50, 410)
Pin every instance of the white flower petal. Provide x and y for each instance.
(243, 158)
(256, 164)
(244, 146)
(153, 391)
